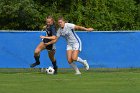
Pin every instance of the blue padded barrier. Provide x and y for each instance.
(101, 49)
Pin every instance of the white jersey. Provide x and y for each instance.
(68, 33)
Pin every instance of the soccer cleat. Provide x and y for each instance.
(86, 65)
(55, 70)
(34, 64)
(78, 73)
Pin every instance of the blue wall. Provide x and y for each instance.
(101, 49)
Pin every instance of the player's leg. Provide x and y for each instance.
(73, 65)
(80, 60)
(76, 51)
(53, 60)
(37, 51)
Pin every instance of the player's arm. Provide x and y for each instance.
(52, 41)
(76, 27)
(48, 37)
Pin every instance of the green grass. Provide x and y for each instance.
(93, 81)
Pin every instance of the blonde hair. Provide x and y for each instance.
(61, 18)
(50, 17)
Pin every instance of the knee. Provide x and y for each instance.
(74, 58)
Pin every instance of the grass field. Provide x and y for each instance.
(93, 81)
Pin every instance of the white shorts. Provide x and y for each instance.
(74, 46)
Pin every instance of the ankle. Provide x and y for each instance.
(37, 62)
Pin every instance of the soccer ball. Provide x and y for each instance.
(50, 70)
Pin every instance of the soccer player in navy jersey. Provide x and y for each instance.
(50, 33)
(74, 45)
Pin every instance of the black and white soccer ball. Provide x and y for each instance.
(50, 70)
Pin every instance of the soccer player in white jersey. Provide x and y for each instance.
(74, 45)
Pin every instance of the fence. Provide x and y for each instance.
(101, 49)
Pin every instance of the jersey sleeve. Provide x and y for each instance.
(71, 25)
(53, 31)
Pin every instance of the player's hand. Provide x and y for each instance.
(42, 37)
(89, 29)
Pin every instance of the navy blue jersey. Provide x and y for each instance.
(51, 31)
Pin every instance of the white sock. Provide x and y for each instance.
(80, 60)
(75, 67)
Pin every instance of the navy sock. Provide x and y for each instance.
(37, 59)
(54, 64)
